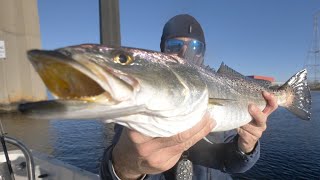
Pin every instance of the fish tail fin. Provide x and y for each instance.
(298, 97)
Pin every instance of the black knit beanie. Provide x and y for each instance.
(182, 25)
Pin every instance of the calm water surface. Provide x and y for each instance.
(290, 148)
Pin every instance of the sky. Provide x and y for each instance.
(270, 37)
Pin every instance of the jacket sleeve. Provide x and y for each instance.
(106, 168)
(236, 161)
(224, 153)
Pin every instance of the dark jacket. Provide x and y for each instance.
(210, 161)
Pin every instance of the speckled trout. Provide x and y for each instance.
(154, 93)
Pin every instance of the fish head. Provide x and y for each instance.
(113, 76)
(71, 73)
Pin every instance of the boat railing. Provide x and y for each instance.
(27, 154)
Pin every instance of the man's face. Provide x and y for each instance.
(187, 48)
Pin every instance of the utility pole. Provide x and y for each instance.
(109, 22)
(312, 63)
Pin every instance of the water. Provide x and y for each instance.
(290, 148)
(79, 143)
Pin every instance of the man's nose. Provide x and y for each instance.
(182, 51)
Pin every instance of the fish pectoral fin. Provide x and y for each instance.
(220, 101)
(207, 140)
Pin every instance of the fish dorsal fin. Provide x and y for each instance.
(220, 101)
(209, 69)
(226, 70)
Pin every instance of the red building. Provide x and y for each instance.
(266, 78)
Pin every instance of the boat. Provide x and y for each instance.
(28, 164)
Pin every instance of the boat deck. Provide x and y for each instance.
(46, 167)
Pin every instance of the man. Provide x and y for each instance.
(135, 156)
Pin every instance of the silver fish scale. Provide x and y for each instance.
(230, 86)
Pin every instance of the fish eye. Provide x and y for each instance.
(123, 59)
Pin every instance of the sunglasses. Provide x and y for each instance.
(175, 46)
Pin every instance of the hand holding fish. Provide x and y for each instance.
(136, 154)
(252, 132)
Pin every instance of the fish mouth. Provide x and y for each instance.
(75, 77)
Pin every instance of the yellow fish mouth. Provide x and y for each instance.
(68, 79)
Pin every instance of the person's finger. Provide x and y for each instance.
(172, 161)
(244, 135)
(253, 127)
(151, 166)
(247, 137)
(253, 130)
(185, 135)
(206, 122)
(167, 151)
(272, 104)
(259, 118)
(199, 135)
(167, 156)
(137, 137)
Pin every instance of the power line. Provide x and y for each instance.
(312, 63)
